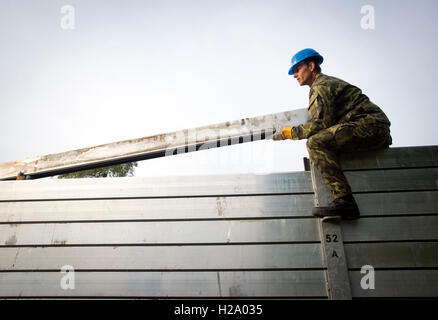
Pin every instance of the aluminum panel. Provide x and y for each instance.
(305, 255)
(222, 231)
(166, 284)
(215, 135)
(149, 209)
(393, 255)
(391, 229)
(398, 203)
(216, 185)
(397, 284)
(408, 157)
(393, 180)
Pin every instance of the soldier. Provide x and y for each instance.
(342, 119)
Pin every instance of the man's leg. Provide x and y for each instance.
(324, 148)
(323, 152)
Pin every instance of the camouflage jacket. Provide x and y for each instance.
(333, 101)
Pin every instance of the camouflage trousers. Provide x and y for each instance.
(325, 146)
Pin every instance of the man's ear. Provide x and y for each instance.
(312, 66)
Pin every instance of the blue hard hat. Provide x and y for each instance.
(303, 55)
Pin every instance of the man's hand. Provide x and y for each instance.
(286, 133)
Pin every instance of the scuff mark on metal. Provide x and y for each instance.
(220, 206)
(230, 225)
(11, 241)
(219, 284)
(236, 291)
(15, 258)
(60, 242)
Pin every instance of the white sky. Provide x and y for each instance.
(136, 68)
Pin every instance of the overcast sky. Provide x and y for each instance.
(130, 69)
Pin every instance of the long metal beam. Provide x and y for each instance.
(167, 144)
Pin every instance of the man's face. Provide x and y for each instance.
(303, 73)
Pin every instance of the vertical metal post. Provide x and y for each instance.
(337, 279)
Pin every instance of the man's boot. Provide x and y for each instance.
(345, 207)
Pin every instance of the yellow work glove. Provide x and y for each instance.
(286, 133)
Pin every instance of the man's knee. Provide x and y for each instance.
(322, 140)
(310, 144)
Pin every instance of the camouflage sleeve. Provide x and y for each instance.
(321, 113)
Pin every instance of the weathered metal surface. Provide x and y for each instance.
(128, 247)
(407, 157)
(272, 256)
(296, 205)
(392, 254)
(338, 283)
(160, 237)
(388, 240)
(391, 229)
(168, 232)
(166, 284)
(393, 180)
(220, 185)
(397, 284)
(397, 203)
(201, 138)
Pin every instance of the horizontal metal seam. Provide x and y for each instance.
(170, 270)
(164, 197)
(169, 297)
(179, 244)
(160, 220)
(390, 168)
(392, 191)
(398, 268)
(391, 241)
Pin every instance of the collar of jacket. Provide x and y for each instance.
(318, 77)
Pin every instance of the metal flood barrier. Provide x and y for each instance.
(226, 235)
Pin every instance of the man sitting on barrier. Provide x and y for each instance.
(342, 119)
